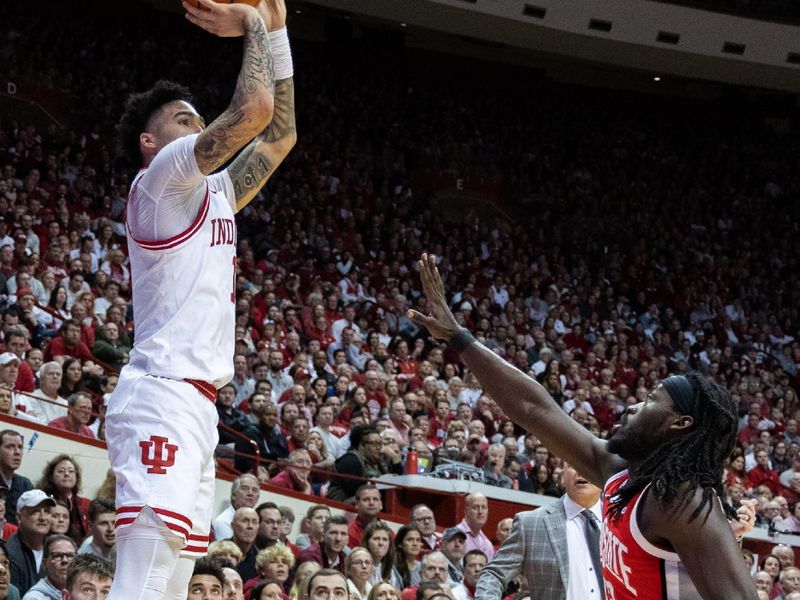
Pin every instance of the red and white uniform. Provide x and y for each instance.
(633, 568)
(183, 287)
(161, 423)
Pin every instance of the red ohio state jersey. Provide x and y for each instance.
(633, 568)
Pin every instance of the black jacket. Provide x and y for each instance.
(23, 564)
(352, 463)
(271, 443)
(19, 485)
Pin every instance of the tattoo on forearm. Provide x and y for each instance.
(248, 176)
(221, 140)
(231, 131)
(283, 119)
(258, 68)
(256, 163)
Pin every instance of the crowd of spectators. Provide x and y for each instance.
(648, 236)
(257, 542)
(53, 539)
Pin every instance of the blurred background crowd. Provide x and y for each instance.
(607, 240)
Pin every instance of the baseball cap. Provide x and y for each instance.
(452, 532)
(301, 373)
(7, 357)
(24, 292)
(33, 498)
(466, 306)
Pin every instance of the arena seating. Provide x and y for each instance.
(598, 240)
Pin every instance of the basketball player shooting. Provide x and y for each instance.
(161, 424)
(666, 534)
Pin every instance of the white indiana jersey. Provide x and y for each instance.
(183, 286)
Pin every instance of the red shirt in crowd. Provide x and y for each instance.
(63, 423)
(59, 348)
(758, 475)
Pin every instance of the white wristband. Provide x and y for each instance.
(281, 54)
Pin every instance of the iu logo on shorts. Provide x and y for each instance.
(158, 454)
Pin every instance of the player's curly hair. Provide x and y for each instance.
(138, 110)
(694, 460)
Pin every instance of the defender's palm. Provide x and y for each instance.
(440, 322)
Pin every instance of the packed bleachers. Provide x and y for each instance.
(630, 237)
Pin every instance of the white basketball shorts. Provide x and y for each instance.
(161, 436)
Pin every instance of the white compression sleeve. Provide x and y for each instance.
(146, 561)
(178, 585)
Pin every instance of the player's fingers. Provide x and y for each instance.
(193, 9)
(421, 319)
(425, 277)
(426, 262)
(423, 271)
(437, 277)
(198, 17)
(434, 279)
(194, 20)
(208, 5)
(199, 22)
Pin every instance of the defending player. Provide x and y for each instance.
(161, 420)
(666, 535)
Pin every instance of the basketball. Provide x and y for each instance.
(196, 4)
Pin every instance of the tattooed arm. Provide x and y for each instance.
(251, 107)
(256, 163)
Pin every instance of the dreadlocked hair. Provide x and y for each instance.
(694, 460)
(138, 110)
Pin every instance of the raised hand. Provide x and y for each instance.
(223, 20)
(274, 13)
(440, 322)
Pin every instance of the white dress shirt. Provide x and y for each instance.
(222, 525)
(582, 578)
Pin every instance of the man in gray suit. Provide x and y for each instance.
(551, 547)
(556, 547)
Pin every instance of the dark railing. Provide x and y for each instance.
(256, 456)
(780, 11)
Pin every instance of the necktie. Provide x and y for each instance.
(593, 542)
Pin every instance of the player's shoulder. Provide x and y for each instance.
(175, 161)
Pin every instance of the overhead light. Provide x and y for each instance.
(656, 78)
(403, 25)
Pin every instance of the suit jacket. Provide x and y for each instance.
(537, 546)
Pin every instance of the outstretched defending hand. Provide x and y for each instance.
(223, 20)
(440, 322)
